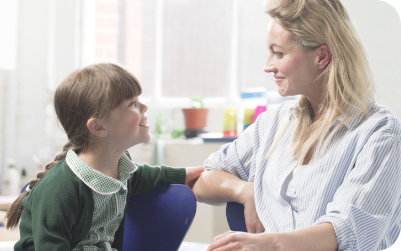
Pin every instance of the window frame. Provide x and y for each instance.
(157, 100)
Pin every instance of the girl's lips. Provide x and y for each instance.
(144, 123)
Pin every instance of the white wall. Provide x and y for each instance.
(4, 83)
(9, 30)
(46, 52)
(380, 29)
(8, 63)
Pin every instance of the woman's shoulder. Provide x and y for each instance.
(385, 121)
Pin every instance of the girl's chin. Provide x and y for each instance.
(148, 138)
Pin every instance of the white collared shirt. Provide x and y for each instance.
(355, 185)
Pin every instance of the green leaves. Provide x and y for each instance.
(196, 103)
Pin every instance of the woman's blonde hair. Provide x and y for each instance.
(90, 92)
(347, 79)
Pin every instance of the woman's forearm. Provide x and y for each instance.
(316, 238)
(218, 187)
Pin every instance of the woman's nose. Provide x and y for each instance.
(269, 66)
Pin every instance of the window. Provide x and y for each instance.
(179, 48)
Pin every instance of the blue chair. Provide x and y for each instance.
(235, 216)
(23, 189)
(159, 219)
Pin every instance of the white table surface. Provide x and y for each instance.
(7, 245)
(192, 246)
(6, 201)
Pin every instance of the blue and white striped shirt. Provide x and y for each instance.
(355, 185)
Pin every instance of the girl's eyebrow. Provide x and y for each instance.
(131, 101)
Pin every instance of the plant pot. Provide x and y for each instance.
(195, 118)
(195, 121)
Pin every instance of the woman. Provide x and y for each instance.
(323, 172)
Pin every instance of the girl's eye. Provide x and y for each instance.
(133, 103)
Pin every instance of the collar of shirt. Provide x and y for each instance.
(350, 124)
(98, 181)
(358, 118)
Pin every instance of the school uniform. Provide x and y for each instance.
(74, 207)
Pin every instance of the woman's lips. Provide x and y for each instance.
(278, 79)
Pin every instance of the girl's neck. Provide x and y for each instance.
(102, 159)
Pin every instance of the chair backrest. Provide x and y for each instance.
(24, 187)
(235, 216)
(159, 219)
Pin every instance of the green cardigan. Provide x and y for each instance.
(59, 208)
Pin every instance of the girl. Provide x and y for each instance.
(321, 173)
(78, 201)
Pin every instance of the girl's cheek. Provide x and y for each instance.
(135, 120)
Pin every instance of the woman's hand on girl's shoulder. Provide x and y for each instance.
(192, 174)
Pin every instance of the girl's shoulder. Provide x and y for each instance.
(59, 181)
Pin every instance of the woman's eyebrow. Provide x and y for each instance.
(276, 45)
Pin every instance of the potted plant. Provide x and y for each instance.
(195, 118)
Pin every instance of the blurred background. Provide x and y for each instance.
(178, 49)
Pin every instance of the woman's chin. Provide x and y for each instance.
(283, 92)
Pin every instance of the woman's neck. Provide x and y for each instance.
(315, 105)
(102, 159)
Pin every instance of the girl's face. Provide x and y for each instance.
(294, 70)
(127, 124)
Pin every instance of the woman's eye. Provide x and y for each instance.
(278, 54)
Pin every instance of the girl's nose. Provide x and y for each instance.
(144, 107)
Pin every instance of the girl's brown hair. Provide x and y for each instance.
(90, 92)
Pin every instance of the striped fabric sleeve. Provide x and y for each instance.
(236, 157)
(364, 205)
(226, 159)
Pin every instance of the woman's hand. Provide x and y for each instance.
(252, 222)
(192, 174)
(320, 237)
(243, 241)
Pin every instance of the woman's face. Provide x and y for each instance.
(294, 70)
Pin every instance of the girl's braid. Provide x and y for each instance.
(14, 213)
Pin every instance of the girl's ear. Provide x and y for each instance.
(96, 127)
